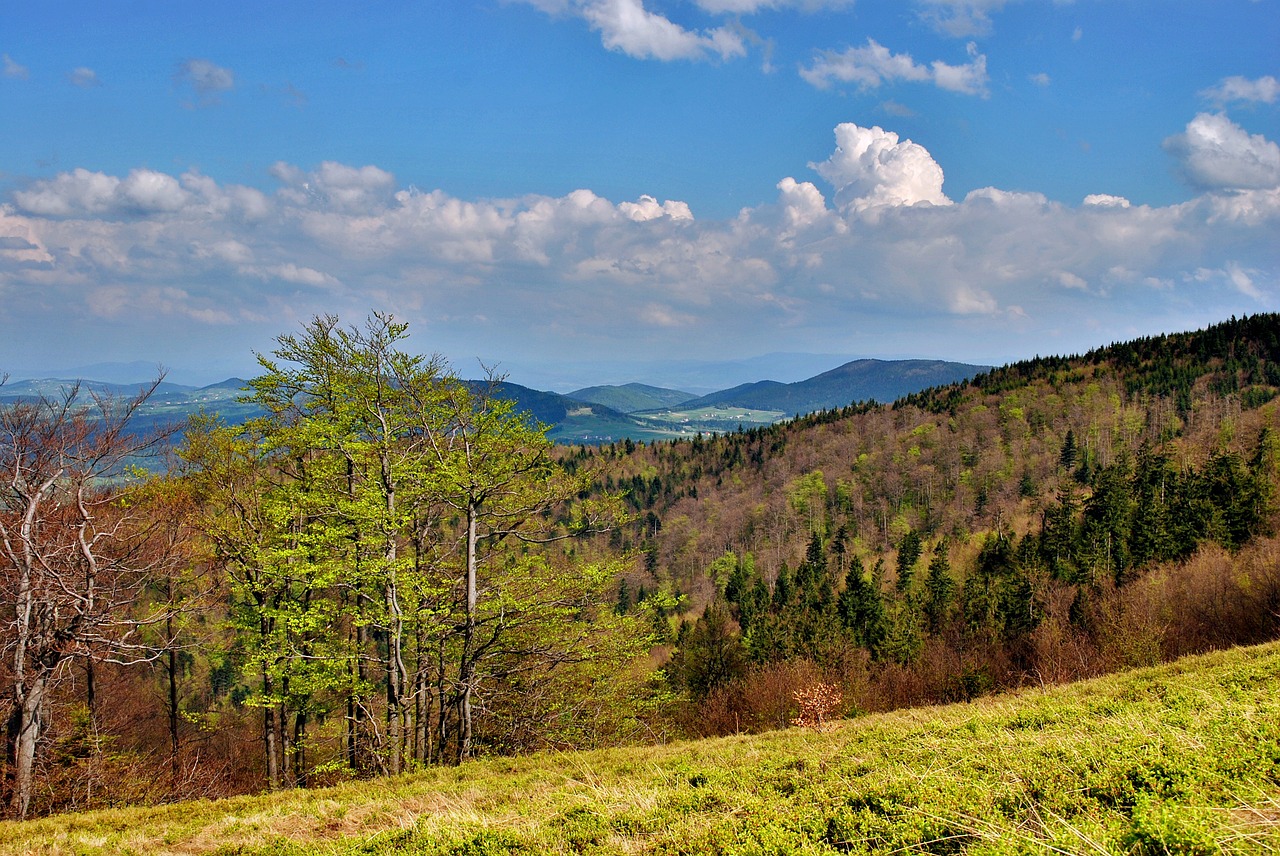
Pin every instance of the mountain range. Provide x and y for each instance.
(596, 414)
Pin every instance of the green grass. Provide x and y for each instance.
(1183, 758)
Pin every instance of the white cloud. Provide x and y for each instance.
(13, 69)
(205, 79)
(84, 193)
(290, 272)
(85, 78)
(968, 300)
(967, 79)
(658, 315)
(1067, 279)
(872, 65)
(882, 244)
(1216, 153)
(1243, 281)
(628, 27)
(1040, 79)
(339, 185)
(70, 193)
(747, 7)
(648, 208)
(142, 193)
(1264, 89)
(961, 18)
(1106, 200)
(870, 168)
(148, 191)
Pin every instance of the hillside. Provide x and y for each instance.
(1183, 758)
(1050, 520)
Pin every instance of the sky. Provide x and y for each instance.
(593, 191)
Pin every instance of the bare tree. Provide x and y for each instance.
(74, 554)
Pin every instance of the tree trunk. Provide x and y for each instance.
(300, 749)
(90, 688)
(24, 734)
(175, 766)
(269, 743)
(467, 669)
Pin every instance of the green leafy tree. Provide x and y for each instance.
(388, 529)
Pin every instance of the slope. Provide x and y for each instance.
(1051, 520)
(1181, 758)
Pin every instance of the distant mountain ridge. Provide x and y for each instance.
(598, 414)
(51, 386)
(883, 381)
(632, 397)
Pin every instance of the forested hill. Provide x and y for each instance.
(860, 380)
(1237, 356)
(1054, 518)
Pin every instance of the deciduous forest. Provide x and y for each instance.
(392, 568)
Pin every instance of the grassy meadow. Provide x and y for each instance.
(1182, 758)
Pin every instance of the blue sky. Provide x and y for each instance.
(578, 190)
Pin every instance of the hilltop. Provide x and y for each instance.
(1181, 758)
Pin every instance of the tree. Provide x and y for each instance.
(909, 550)
(494, 470)
(386, 523)
(861, 609)
(939, 589)
(74, 553)
(710, 653)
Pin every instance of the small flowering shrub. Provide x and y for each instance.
(817, 704)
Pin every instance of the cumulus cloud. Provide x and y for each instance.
(1216, 153)
(85, 193)
(648, 208)
(205, 79)
(1229, 89)
(872, 240)
(873, 64)
(82, 193)
(1106, 200)
(85, 78)
(871, 167)
(628, 27)
(336, 184)
(76, 192)
(13, 69)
